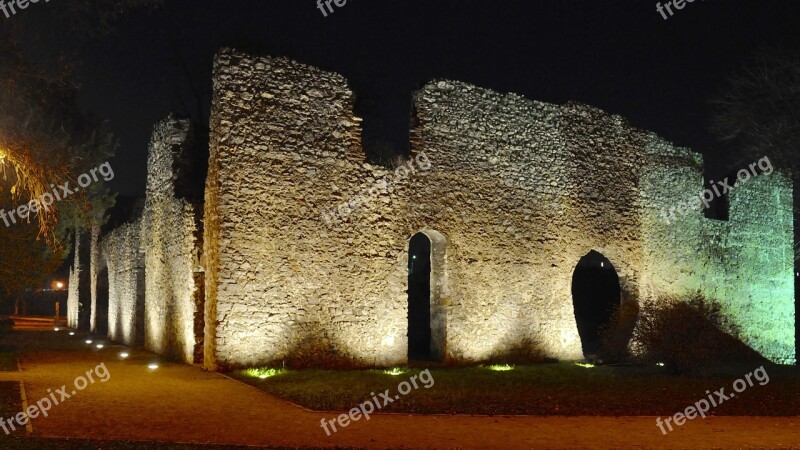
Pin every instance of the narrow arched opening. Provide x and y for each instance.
(595, 296)
(419, 298)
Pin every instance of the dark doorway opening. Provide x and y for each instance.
(419, 298)
(595, 296)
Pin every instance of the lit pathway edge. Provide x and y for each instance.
(144, 405)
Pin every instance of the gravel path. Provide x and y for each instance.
(180, 403)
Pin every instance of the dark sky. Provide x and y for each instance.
(621, 56)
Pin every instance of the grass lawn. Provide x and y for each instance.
(8, 360)
(545, 389)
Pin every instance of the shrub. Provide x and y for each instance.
(686, 335)
(524, 352)
(315, 352)
(616, 335)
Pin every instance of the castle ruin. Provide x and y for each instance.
(277, 262)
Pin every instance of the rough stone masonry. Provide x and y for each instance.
(518, 192)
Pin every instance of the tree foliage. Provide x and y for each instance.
(758, 112)
(46, 140)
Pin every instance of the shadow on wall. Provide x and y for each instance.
(691, 335)
(316, 350)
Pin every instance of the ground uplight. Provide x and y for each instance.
(500, 367)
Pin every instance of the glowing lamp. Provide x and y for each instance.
(500, 367)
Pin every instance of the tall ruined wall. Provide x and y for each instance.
(759, 258)
(280, 281)
(511, 192)
(674, 260)
(744, 263)
(73, 296)
(511, 203)
(121, 251)
(523, 190)
(96, 264)
(171, 246)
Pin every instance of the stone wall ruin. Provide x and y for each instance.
(294, 264)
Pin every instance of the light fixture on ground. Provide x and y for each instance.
(72, 333)
(395, 371)
(152, 366)
(123, 355)
(57, 329)
(500, 367)
(263, 373)
(100, 345)
(88, 341)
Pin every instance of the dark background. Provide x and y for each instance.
(620, 56)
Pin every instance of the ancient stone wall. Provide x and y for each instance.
(73, 296)
(514, 201)
(171, 244)
(745, 263)
(280, 282)
(307, 246)
(759, 258)
(523, 190)
(122, 251)
(96, 264)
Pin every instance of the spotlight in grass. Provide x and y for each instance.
(585, 365)
(57, 329)
(660, 364)
(88, 341)
(123, 355)
(395, 371)
(72, 333)
(262, 373)
(100, 345)
(152, 366)
(500, 367)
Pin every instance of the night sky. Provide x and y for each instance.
(620, 56)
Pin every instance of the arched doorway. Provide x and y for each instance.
(419, 298)
(595, 296)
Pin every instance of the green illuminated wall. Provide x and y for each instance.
(746, 262)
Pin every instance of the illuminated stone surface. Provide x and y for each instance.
(521, 190)
(517, 192)
(172, 250)
(121, 252)
(96, 264)
(73, 292)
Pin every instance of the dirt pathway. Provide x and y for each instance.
(182, 403)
